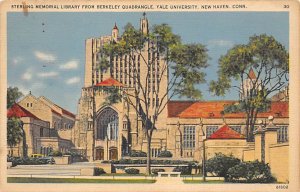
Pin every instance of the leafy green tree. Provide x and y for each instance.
(14, 132)
(262, 55)
(250, 172)
(220, 163)
(182, 67)
(13, 94)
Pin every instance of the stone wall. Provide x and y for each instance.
(225, 146)
(267, 149)
(279, 161)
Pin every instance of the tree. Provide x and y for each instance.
(13, 94)
(179, 68)
(250, 172)
(220, 163)
(262, 64)
(14, 132)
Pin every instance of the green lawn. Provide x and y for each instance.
(71, 180)
(121, 174)
(202, 182)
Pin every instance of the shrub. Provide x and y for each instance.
(165, 154)
(27, 161)
(153, 161)
(98, 171)
(184, 170)
(126, 161)
(155, 171)
(138, 154)
(132, 171)
(56, 154)
(250, 172)
(220, 163)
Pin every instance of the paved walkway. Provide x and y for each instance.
(168, 180)
(73, 171)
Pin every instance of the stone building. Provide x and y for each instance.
(105, 132)
(34, 128)
(60, 125)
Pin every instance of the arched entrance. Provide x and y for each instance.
(107, 124)
(113, 154)
(99, 154)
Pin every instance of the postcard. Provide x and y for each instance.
(149, 96)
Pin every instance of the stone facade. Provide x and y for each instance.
(105, 132)
(269, 149)
(48, 128)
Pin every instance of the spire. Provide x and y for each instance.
(144, 24)
(116, 27)
(115, 33)
(252, 74)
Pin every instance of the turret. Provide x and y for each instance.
(115, 33)
(144, 24)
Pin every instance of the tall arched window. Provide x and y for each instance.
(107, 124)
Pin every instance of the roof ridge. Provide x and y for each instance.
(226, 132)
(13, 111)
(110, 82)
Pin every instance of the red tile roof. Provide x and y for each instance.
(252, 74)
(18, 111)
(214, 109)
(176, 107)
(225, 132)
(110, 82)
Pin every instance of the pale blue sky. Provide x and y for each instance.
(51, 63)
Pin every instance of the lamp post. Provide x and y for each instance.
(203, 162)
(203, 151)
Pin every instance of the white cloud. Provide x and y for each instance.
(48, 74)
(220, 43)
(27, 75)
(42, 56)
(73, 64)
(24, 90)
(73, 80)
(17, 60)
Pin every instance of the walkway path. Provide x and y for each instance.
(168, 180)
(73, 171)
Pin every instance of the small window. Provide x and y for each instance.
(41, 132)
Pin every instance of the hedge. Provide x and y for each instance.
(153, 161)
(132, 171)
(138, 154)
(56, 154)
(98, 171)
(250, 172)
(220, 163)
(183, 170)
(155, 171)
(27, 161)
(165, 154)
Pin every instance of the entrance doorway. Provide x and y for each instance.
(99, 154)
(113, 154)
